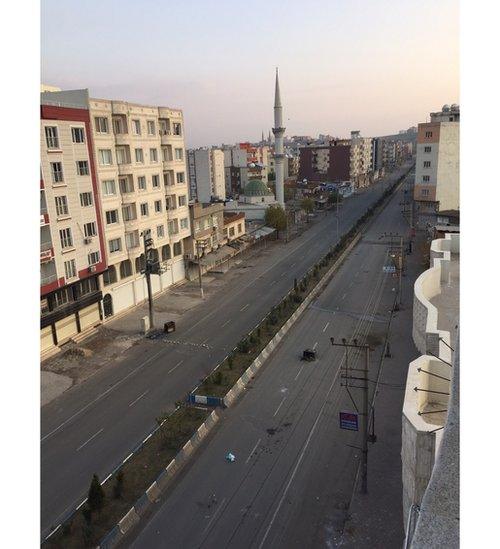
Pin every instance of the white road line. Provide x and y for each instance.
(226, 323)
(273, 282)
(254, 448)
(326, 326)
(84, 501)
(147, 438)
(128, 457)
(301, 368)
(343, 297)
(100, 396)
(315, 345)
(138, 398)
(214, 515)
(244, 307)
(107, 478)
(93, 436)
(178, 364)
(281, 404)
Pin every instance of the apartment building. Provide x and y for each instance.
(72, 241)
(234, 225)
(206, 174)
(437, 170)
(235, 169)
(207, 221)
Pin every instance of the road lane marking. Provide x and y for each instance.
(100, 396)
(281, 404)
(315, 345)
(128, 457)
(84, 501)
(301, 368)
(244, 307)
(178, 364)
(273, 282)
(343, 297)
(138, 398)
(226, 323)
(254, 448)
(326, 326)
(213, 517)
(292, 265)
(92, 437)
(107, 478)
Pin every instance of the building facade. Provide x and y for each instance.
(207, 221)
(234, 225)
(72, 241)
(206, 174)
(437, 170)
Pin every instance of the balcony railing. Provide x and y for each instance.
(46, 255)
(48, 279)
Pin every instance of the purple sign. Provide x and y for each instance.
(349, 421)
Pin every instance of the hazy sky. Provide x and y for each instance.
(373, 65)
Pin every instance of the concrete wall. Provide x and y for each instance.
(448, 170)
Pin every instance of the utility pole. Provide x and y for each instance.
(364, 413)
(199, 246)
(148, 244)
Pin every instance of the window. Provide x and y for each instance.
(182, 200)
(115, 245)
(61, 205)
(139, 156)
(101, 124)
(179, 154)
(105, 157)
(180, 178)
(167, 153)
(428, 134)
(94, 258)
(144, 209)
(151, 127)
(184, 223)
(177, 128)
(122, 156)
(427, 164)
(132, 239)
(85, 199)
(157, 206)
(231, 231)
(427, 149)
(108, 187)
(141, 183)
(87, 286)
(51, 137)
(164, 127)
(160, 231)
(136, 127)
(129, 212)
(125, 269)
(426, 178)
(167, 179)
(425, 192)
(77, 135)
(155, 179)
(70, 268)
(56, 171)
(89, 229)
(111, 217)
(153, 155)
(66, 238)
(82, 167)
(165, 252)
(109, 277)
(118, 126)
(177, 248)
(170, 202)
(172, 227)
(61, 297)
(126, 185)
(239, 228)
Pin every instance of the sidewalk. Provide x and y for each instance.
(375, 520)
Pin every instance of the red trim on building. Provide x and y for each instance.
(99, 268)
(52, 286)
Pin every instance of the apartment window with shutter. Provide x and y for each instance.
(426, 178)
(128, 212)
(66, 238)
(115, 245)
(136, 125)
(56, 172)
(177, 248)
(157, 206)
(108, 187)
(184, 223)
(428, 134)
(139, 156)
(101, 124)
(125, 269)
(126, 185)
(160, 231)
(425, 192)
(427, 149)
(51, 137)
(105, 157)
(86, 199)
(141, 182)
(111, 217)
(82, 167)
(132, 240)
(144, 209)
(182, 200)
(61, 205)
(427, 164)
(70, 268)
(122, 156)
(177, 128)
(89, 229)
(179, 154)
(153, 155)
(155, 179)
(77, 135)
(94, 258)
(180, 178)
(151, 127)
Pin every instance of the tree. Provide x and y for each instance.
(96, 495)
(334, 196)
(307, 204)
(118, 487)
(271, 176)
(276, 217)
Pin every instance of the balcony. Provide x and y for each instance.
(44, 218)
(123, 139)
(48, 279)
(46, 252)
(125, 168)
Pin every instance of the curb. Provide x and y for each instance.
(154, 492)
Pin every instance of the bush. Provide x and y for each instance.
(96, 495)
(230, 361)
(244, 346)
(218, 377)
(118, 487)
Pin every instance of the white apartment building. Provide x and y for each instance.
(361, 159)
(141, 168)
(206, 174)
(437, 170)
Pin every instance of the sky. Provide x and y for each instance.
(376, 66)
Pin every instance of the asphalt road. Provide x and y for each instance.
(93, 426)
(295, 468)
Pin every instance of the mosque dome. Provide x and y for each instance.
(256, 187)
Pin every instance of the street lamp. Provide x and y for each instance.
(200, 245)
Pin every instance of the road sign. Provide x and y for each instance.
(349, 421)
(389, 269)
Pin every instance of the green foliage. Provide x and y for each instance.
(118, 487)
(217, 378)
(334, 196)
(307, 204)
(230, 362)
(275, 217)
(96, 495)
(244, 346)
(87, 514)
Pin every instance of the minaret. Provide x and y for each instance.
(278, 131)
(262, 141)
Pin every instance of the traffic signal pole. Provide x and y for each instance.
(148, 241)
